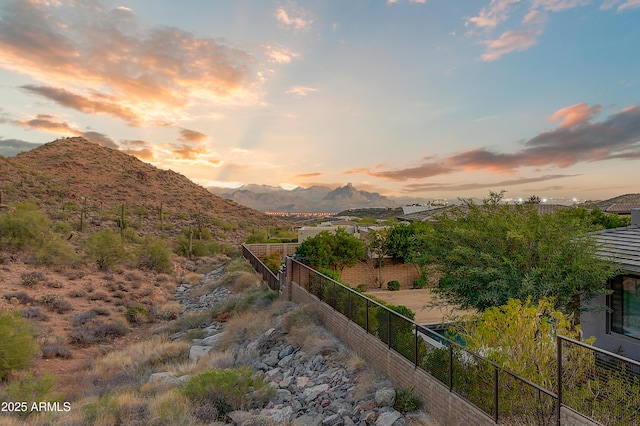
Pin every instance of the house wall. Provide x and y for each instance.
(594, 323)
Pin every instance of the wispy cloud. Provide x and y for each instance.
(626, 4)
(308, 175)
(576, 140)
(471, 186)
(100, 103)
(107, 63)
(293, 17)
(50, 124)
(301, 90)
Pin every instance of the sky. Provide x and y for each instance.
(421, 98)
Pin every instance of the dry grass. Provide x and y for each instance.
(134, 362)
(303, 329)
(243, 327)
(365, 384)
(245, 281)
(171, 408)
(169, 311)
(192, 278)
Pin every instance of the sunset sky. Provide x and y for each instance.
(426, 98)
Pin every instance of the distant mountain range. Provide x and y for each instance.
(313, 199)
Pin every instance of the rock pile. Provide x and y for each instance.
(312, 388)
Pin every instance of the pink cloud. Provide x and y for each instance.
(575, 114)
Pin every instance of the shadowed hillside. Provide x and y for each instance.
(60, 174)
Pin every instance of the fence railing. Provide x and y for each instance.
(597, 384)
(268, 276)
(502, 395)
(603, 385)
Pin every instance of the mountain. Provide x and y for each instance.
(620, 199)
(312, 199)
(60, 174)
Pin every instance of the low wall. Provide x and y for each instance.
(363, 273)
(261, 250)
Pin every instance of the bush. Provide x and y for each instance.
(420, 282)
(55, 303)
(17, 344)
(227, 390)
(105, 248)
(154, 254)
(31, 279)
(405, 401)
(26, 227)
(273, 261)
(96, 334)
(137, 314)
(393, 285)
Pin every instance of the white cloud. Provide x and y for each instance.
(301, 90)
(295, 18)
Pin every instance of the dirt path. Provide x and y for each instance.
(428, 309)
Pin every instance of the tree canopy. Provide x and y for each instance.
(332, 250)
(498, 252)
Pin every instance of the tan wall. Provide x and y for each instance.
(363, 273)
(261, 250)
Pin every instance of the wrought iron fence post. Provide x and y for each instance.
(335, 296)
(415, 328)
(495, 392)
(450, 367)
(366, 313)
(559, 352)
(389, 328)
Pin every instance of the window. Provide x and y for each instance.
(625, 305)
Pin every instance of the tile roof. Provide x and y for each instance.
(621, 245)
(621, 208)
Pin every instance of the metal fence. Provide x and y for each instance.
(267, 274)
(504, 396)
(597, 384)
(600, 384)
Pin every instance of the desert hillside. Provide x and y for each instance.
(67, 173)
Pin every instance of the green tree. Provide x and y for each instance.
(332, 250)
(17, 344)
(520, 337)
(105, 249)
(496, 252)
(154, 253)
(25, 227)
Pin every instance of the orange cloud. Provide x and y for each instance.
(187, 152)
(308, 175)
(50, 124)
(575, 114)
(137, 74)
(99, 104)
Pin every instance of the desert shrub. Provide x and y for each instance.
(191, 320)
(55, 349)
(272, 261)
(76, 292)
(105, 249)
(405, 401)
(137, 314)
(55, 303)
(33, 313)
(256, 298)
(25, 227)
(98, 296)
(96, 333)
(169, 311)
(31, 279)
(83, 317)
(393, 285)
(238, 264)
(155, 254)
(27, 386)
(17, 344)
(171, 408)
(21, 297)
(245, 281)
(227, 390)
(54, 251)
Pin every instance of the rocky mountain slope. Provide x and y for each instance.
(64, 172)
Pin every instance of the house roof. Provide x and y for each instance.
(621, 208)
(621, 245)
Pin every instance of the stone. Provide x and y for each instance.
(312, 393)
(302, 381)
(278, 415)
(196, 352)
(388, 418)
(308, 420)
(386, 397)
(213, 340)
